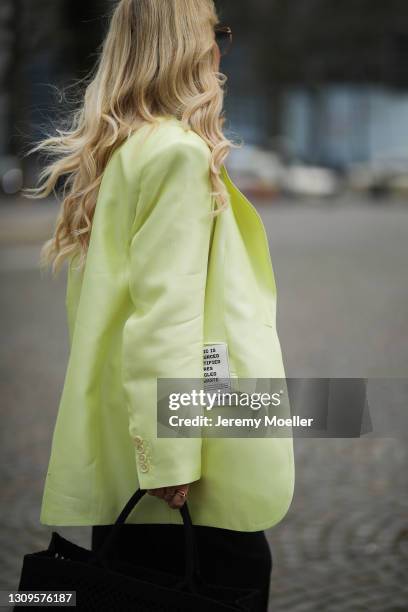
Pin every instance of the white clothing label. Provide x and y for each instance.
(216, 366)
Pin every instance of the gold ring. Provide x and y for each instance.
(180, 492)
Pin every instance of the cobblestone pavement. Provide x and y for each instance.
(341, 276)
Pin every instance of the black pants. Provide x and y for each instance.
(226, 557)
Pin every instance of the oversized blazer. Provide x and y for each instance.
(162, 278)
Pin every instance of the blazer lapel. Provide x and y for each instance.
(254, 234)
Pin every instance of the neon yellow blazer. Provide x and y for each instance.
(161, 279)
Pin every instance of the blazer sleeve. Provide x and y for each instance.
(163, 337)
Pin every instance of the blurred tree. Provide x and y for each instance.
(85, 27)
(7, 50)
(51, 43)
(35, 67)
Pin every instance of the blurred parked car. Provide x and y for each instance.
(257, 172)
(312, 181)
(262, 174)
(385, 174)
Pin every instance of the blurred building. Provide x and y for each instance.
(316, 80)
(326, 81)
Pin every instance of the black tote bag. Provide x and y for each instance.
(111, 585)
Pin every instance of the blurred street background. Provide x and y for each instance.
(318, 93)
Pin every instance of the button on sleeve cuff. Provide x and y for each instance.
(165, 462)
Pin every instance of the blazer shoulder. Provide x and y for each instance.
(163, 140)
(153, 148)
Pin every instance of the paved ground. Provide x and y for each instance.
(343, 291)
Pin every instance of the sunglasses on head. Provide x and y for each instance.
(223, 38)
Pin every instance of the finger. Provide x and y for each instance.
(169, 493)
(178, 498)
(177, 502)
(172, 491)
(157, 492)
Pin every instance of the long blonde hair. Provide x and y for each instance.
(157, 59)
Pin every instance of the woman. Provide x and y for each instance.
(166, 257)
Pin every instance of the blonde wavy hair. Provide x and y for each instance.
(158, 58)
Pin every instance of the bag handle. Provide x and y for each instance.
(191, 555)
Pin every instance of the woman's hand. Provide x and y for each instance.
(174, 496)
